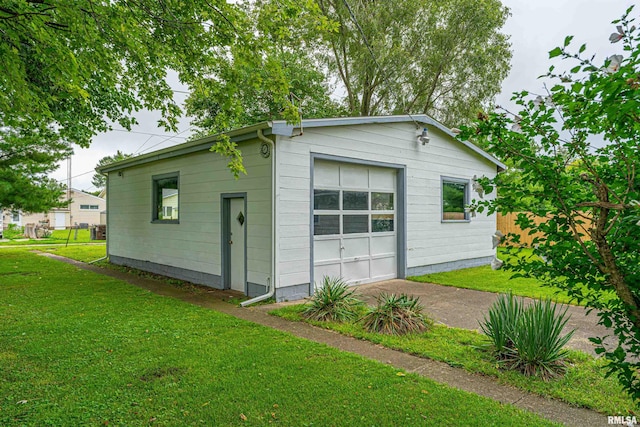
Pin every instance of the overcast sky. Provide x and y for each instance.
(535, 27)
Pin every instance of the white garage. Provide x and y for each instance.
(360, 198)
(354, 222)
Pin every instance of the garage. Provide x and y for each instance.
(355, 222)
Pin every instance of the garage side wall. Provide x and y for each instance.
(431, 244)
(191, 249)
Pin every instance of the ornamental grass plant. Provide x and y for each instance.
(528, 339)
(333, 301)
(396, 315)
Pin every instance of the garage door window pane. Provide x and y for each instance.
(355, 224)
(382, 201)
(381, 223)
(355, 200)
(326, 199)
(326, 224)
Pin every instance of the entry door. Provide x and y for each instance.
(235, 226)
(60, 220)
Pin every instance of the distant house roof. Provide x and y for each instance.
(281, 127)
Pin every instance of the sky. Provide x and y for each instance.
(535, 27)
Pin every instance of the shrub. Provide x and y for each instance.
(333, 301)
(501, 323)
(528, 339)
(538, 341)
(13, 231)
(396, 315)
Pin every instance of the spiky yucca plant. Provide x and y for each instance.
(500, 323)
(528, 339)
(538, 343)
(333, 301)
(396, 315)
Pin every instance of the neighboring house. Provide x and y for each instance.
(84, 208)
(363, 198)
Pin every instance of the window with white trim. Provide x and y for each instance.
(89, 207)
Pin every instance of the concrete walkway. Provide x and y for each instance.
(441, 372)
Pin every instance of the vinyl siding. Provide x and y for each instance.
(194, 243)
(429, 240)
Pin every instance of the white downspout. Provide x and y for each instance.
(274, 248)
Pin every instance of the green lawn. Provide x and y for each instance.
(583, 385)
(499, 281)
(57, 237)
(78, 348)
(485, 279)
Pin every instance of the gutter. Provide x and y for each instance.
(271, 290)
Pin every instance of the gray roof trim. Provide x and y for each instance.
(202, 144)
(281, 127)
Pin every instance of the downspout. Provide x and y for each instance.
(271, 290)
(106, 185)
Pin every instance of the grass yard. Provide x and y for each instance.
(78, 348)
(57, 237)
(499, 281)
(485, 279)
(583, 385)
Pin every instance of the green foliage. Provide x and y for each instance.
(444, 58)
(528, 339)
(13, 231)
(396, 315)
(80, 348)
(269, 76)
(72, 69)
(501, 324)
(538, 343)
(575, 150)
(333, 301)
(99, 180)
(584, 383)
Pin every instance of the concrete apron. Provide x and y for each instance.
(465, 308)
(550, 409)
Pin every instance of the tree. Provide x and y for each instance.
(444, 58)
(72, 68)
(99, 180)
(274, 78)
(576, 150)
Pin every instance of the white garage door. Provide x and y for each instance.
(354, 222)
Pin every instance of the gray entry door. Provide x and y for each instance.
(235, 243)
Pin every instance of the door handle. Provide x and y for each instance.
(230, 242)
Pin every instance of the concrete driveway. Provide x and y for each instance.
(465, 308)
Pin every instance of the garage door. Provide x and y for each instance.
(354, 222)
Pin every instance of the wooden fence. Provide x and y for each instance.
(507, 224)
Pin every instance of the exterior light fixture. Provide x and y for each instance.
(423, 137)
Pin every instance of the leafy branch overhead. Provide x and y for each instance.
(573, 153)
(72, 69)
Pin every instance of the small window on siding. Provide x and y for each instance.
(454, 200)
(89, 207)
(166, 199)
